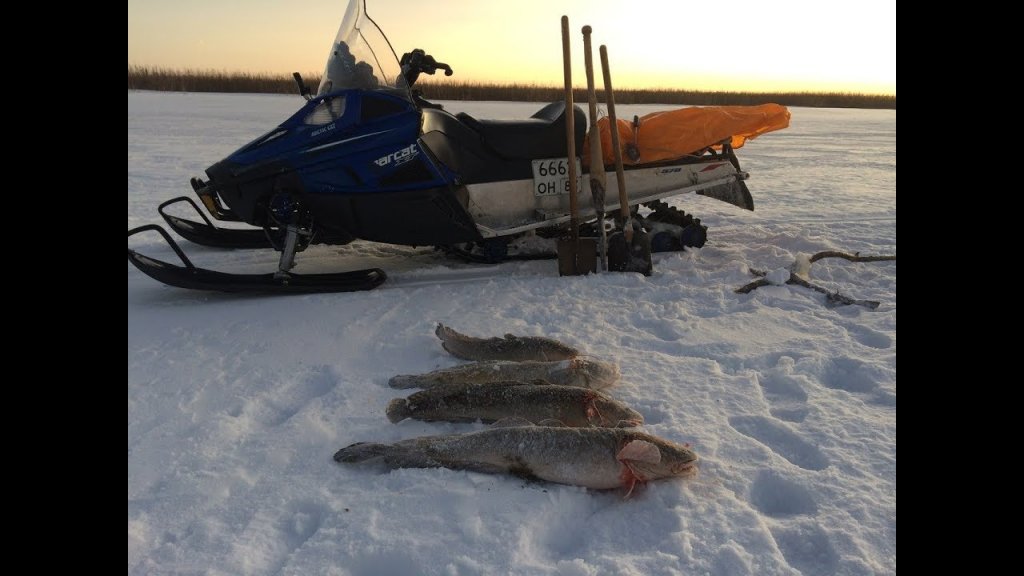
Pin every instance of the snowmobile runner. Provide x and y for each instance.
(367, 157)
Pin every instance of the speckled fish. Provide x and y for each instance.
(600, 458)
(508, 348)
(579, 372)
(493, 401)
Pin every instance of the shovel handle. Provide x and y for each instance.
(570, 130)
(598, 180)
(588, 61)
(620, 175)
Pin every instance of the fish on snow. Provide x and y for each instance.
(492, 401)
(510, 347)
(599, 458)
(580, 372)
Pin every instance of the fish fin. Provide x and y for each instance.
(552, 423)
(591, 410)
(441, 331)
(511, 422)
(639, 451)
(360, 452)
(629, 479)
(631, 482)
(398, 410)
(633, 452)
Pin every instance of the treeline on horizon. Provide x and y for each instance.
(188, 80)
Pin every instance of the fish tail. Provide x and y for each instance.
(398, 410)
(361, 452)
(443, 332)
(447, 335)
(404, 381)
(400, 455)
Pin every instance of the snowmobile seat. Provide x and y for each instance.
(540, 136)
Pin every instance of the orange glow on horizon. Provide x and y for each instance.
(744, 45)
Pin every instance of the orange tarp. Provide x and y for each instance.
(674, 134)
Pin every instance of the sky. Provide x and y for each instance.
(814, 45)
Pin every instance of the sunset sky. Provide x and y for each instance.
(816, 45)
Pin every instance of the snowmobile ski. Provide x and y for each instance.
(192, 277)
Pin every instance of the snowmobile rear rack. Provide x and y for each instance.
(192, 277)
(206, 234)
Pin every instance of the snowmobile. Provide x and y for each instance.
(367, 157)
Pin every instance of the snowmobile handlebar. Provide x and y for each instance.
(416, 62)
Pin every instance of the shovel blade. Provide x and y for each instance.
(632, 256)
(577, 257)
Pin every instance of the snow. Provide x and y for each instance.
(778, 277)
(236, 404)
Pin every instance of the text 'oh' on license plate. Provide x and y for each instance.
(551, 176)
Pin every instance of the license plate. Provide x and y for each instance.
(551, 176)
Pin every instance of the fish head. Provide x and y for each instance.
(650, 458)
(608, 413)
(677, 460)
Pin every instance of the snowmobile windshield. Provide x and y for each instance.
(361, 56)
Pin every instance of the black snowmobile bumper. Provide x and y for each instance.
(195, 278)
(206, 234)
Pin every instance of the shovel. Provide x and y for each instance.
(629, 250)
(575, 256)
(598, 179)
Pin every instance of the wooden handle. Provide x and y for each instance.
(570, 129)
(598, 180)
(588, 59)
(620, 175)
